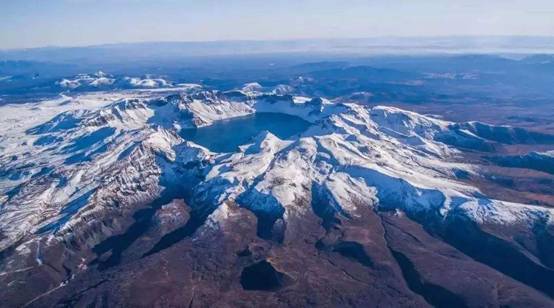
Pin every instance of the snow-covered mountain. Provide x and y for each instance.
(104, 81)
(109, 183)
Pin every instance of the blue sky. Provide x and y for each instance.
(33, 23)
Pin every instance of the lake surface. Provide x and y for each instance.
(227, 135)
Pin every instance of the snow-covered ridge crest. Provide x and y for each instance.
(104, 81)
(77, 163)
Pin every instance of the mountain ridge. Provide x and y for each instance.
(356, 168)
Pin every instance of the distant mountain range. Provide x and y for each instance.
(355, 46)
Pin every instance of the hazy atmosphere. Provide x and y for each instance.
(35, 23)
(293, 153)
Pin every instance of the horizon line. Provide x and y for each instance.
(269, 40)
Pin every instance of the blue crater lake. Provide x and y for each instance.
(227, 135)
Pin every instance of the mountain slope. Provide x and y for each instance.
(366, 204)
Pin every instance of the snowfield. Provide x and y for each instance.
(66, 161)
